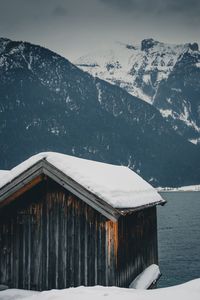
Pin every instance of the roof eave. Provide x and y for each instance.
(130, 210)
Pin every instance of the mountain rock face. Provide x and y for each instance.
(165, 75)
(178, 97)
(48, 104)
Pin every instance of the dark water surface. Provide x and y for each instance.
(179, 238)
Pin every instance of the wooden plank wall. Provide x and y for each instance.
(53, 241)
(137, 248)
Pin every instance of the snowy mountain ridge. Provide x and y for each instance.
(131, 66)
(165, 75)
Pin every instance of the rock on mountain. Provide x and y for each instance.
(47, 103)
(164, 75)
(178, 97)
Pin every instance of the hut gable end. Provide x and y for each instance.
(52, 239)
(36, 173)
(66, 221)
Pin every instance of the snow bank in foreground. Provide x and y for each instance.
(187, 291)
(16, 294)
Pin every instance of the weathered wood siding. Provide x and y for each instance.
(51, 239)
(137, 248)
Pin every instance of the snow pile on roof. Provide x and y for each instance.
(145, 279)
(3, 174)
(116, 185)
(187, 291)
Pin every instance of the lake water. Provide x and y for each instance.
(179, 238)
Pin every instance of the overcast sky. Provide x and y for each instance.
(75, 27)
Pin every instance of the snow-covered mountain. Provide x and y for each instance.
(47, 103)
(137, 68)
(151, 71)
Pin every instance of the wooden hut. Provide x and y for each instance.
(66, 221)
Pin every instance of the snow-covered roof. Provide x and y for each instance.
(3, 173)
(118, 186)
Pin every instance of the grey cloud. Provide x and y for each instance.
(59, 11)
(91, 24)
(185, 7)
(125, 5)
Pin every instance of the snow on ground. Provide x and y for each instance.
(187, 291)
(16, 294)
(117, 185)
(188, 188)
(167, 113)
(195, 141)
(184, 116)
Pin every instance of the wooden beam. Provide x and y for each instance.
(27, 186)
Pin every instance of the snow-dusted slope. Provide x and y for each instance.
(137, 68)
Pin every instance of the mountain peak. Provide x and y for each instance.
(193, 46)
(3, 43)
(2, 39)
(148, 43)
